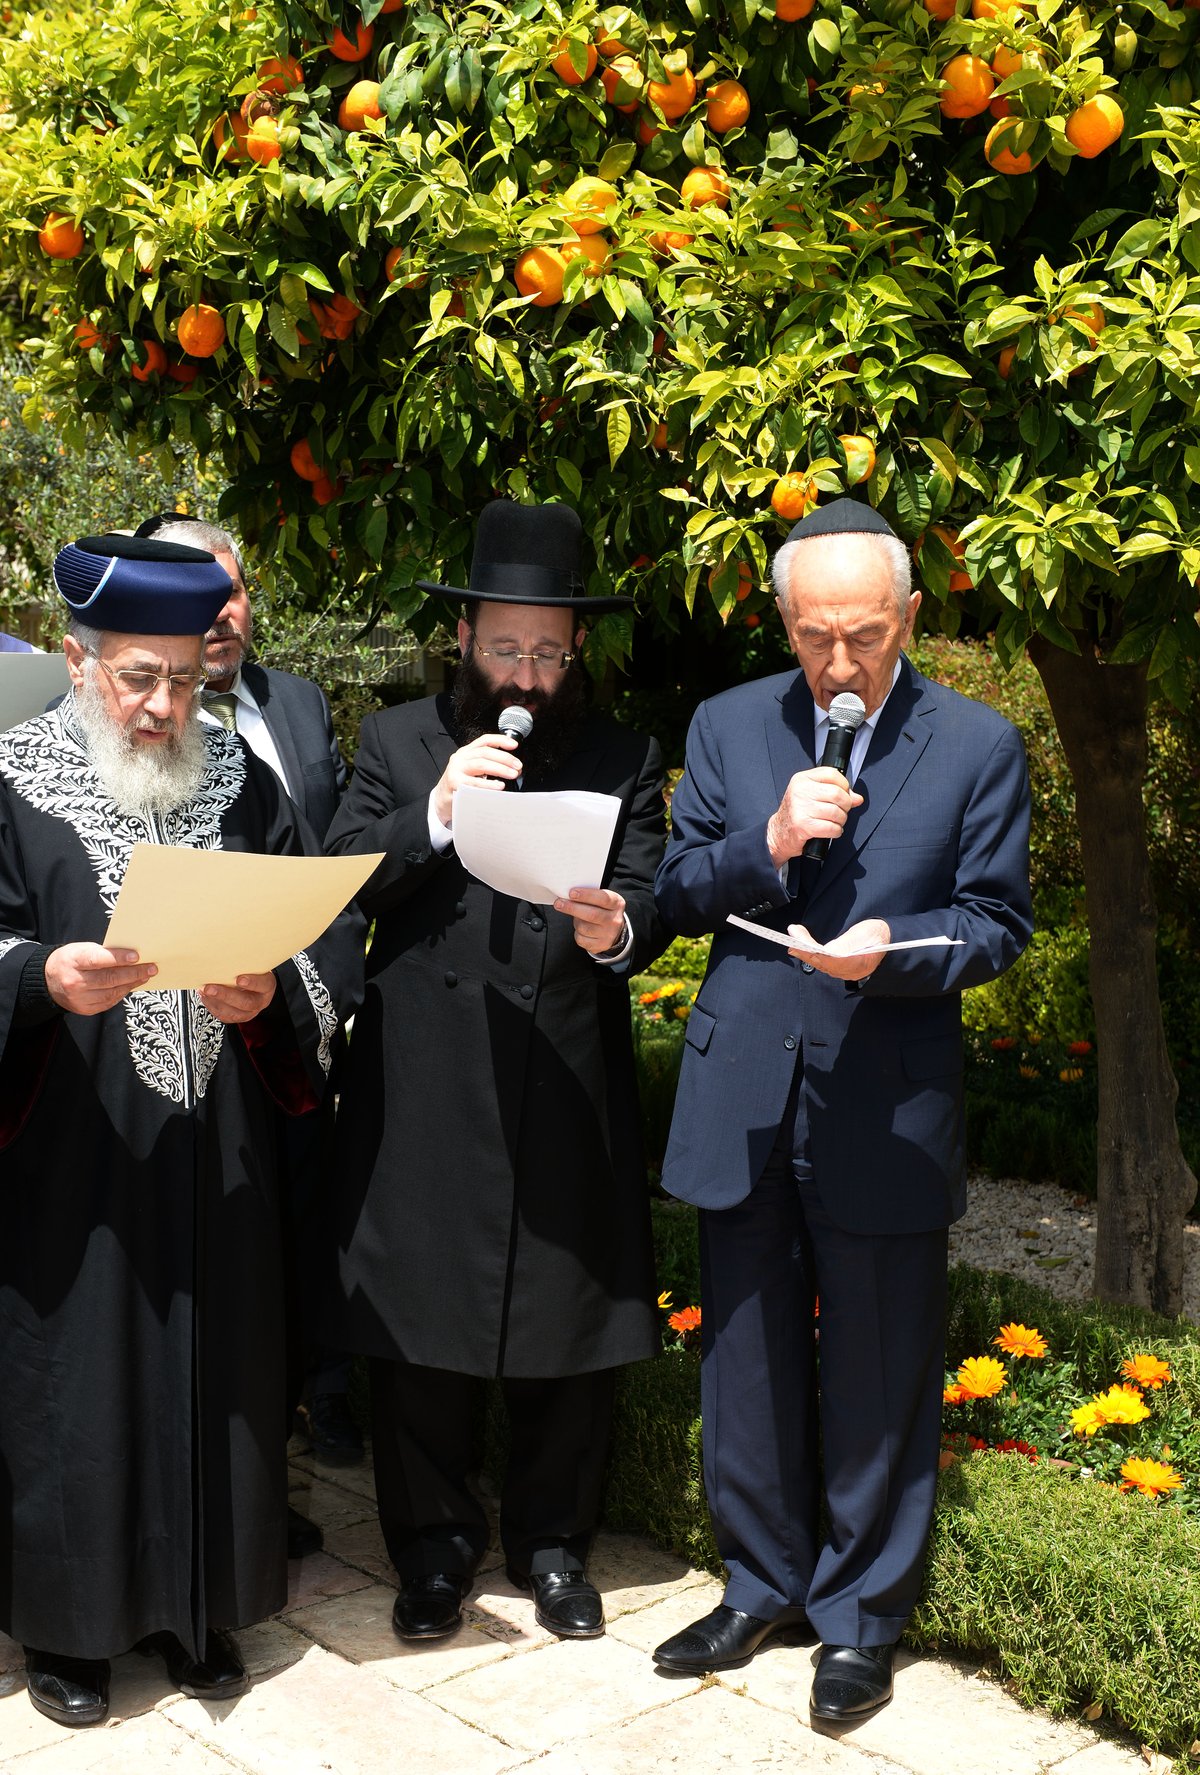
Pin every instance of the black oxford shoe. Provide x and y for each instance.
(727, 1639)
(70, 1691)
(219, 1676)
(564, 1603)
(851, 1681)
(430, 1607)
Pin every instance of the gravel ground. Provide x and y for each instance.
(1047, 1235)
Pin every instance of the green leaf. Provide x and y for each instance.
(940, 366)
(1136, 243)
(619, 432)
(616, 161)
(570, 477)
(282, 329)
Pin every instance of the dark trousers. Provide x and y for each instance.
(880, 1338)
(423, 1428)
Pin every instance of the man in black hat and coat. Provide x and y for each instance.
(819, 1122)
(143, 1480)
(493, 1212)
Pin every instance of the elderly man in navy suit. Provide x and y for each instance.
(819, 1122)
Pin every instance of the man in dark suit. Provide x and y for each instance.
(286, 721)
(494, 1213)
(819, 1121)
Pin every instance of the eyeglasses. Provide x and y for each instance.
(541, 662)
(144, 684)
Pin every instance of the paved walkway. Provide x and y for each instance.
(335, 1693)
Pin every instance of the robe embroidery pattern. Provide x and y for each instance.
(174, 1041)
(322, 1005)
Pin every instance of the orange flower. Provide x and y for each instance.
(1028, 1072)
(1076, 1049)
(954, 1394)
(981, 1377)
(1020, 1340)
(1151, 1478)
(664, 1299)
(1002, 1043)
(1015, 1446)
(1147, 1371)
(686, 1319)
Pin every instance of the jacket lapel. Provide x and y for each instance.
(272, 711)
(902, 735)
(790, 739)
(437, 739)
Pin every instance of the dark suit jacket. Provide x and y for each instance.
(493, 1208)
(298, 719)
(939, 847)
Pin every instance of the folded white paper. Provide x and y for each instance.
(204, 917)
(535, 846)
(761, 930)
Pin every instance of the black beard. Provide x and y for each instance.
(557, 714)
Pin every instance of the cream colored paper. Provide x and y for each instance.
(833, 946)
(535, 846)
(204, 917)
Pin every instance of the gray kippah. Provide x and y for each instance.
(841, 517)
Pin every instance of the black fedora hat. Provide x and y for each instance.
(528, 554)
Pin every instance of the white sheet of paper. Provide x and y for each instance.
(204, 917)
(760, 930)
(28, 681)
(535, 846)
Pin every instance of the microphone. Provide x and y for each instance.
(516, 723)
(847, 713)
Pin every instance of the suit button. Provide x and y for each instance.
(460, 909)
(535, 923)
(527, 992)
(806, 967)
(451, 979)
(789, 1042)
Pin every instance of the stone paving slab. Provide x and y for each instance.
(332, 1506)
(147, 1746)
(359, 1629)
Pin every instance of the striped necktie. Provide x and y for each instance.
(222, 706)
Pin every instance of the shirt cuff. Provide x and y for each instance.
(609, 957)
(34, 1004)
(440, 837)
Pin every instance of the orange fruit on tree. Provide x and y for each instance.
(352, 49)
(359, 104)
(969, 85)
(960, 580)
(791, 10)
(304, 462)
(235, 147)
(1005, 361)
(675, 95)
(539, 273)
(941, 10)
(1002, 158)
(658, 435)
(646, 131)
(336, 317)
(745, 579)
(200, 330)
(594, 248)
(985, 9)
(704, 185)
(589, 203)
(149, 360)
(1007, 61)
(86, 334)
(1095, 126)
(59, 237)
(391, 6)
(1092, 317)
(262, 140)
(623, 77)
(610, 47)
(669, 240)
(793, 495)
(727, 106)
(280, 74)
(396, 262)
(1000, 108)
(563, 66)
(860, 457)
(324, 489)
(184, 373)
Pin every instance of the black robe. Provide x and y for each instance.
(493, 1215)
(142, 1447)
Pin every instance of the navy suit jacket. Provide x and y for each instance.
(298, 719)
(940, 846)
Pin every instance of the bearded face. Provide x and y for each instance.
(478, 696)
(144, 776)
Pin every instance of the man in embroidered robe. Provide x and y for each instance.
(142, 1475)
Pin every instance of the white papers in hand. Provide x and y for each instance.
(835, 947)
(534, 846)
(204, 917)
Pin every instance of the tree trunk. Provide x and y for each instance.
(1144, 1187)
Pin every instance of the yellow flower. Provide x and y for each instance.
(1122, 1405)
(1147, 1371)
(1087, 1419)
(1151, 1478)
(1020, 1340)
(664, 1299)
(981, 1377)
(954, 1394)
(1028, 1072)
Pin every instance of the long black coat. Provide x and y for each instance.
(492, 1210)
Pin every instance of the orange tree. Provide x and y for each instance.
(946, 253)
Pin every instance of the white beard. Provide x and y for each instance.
(142, 779)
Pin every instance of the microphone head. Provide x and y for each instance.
(847, 710)
(518, 722)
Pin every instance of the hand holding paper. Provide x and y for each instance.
(861, 940)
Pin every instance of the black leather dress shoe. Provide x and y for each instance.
(303, 1536)
(727, 1639)
(71, 1691)
(563, 1602)
(332, 1433)
(851, 1681)
(218, 1676)
(430, 1607)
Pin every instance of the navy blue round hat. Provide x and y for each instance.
(528, 554)
(134, 585)
(841, 517)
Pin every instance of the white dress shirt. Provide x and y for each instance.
(862, 738)
(253, 729)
